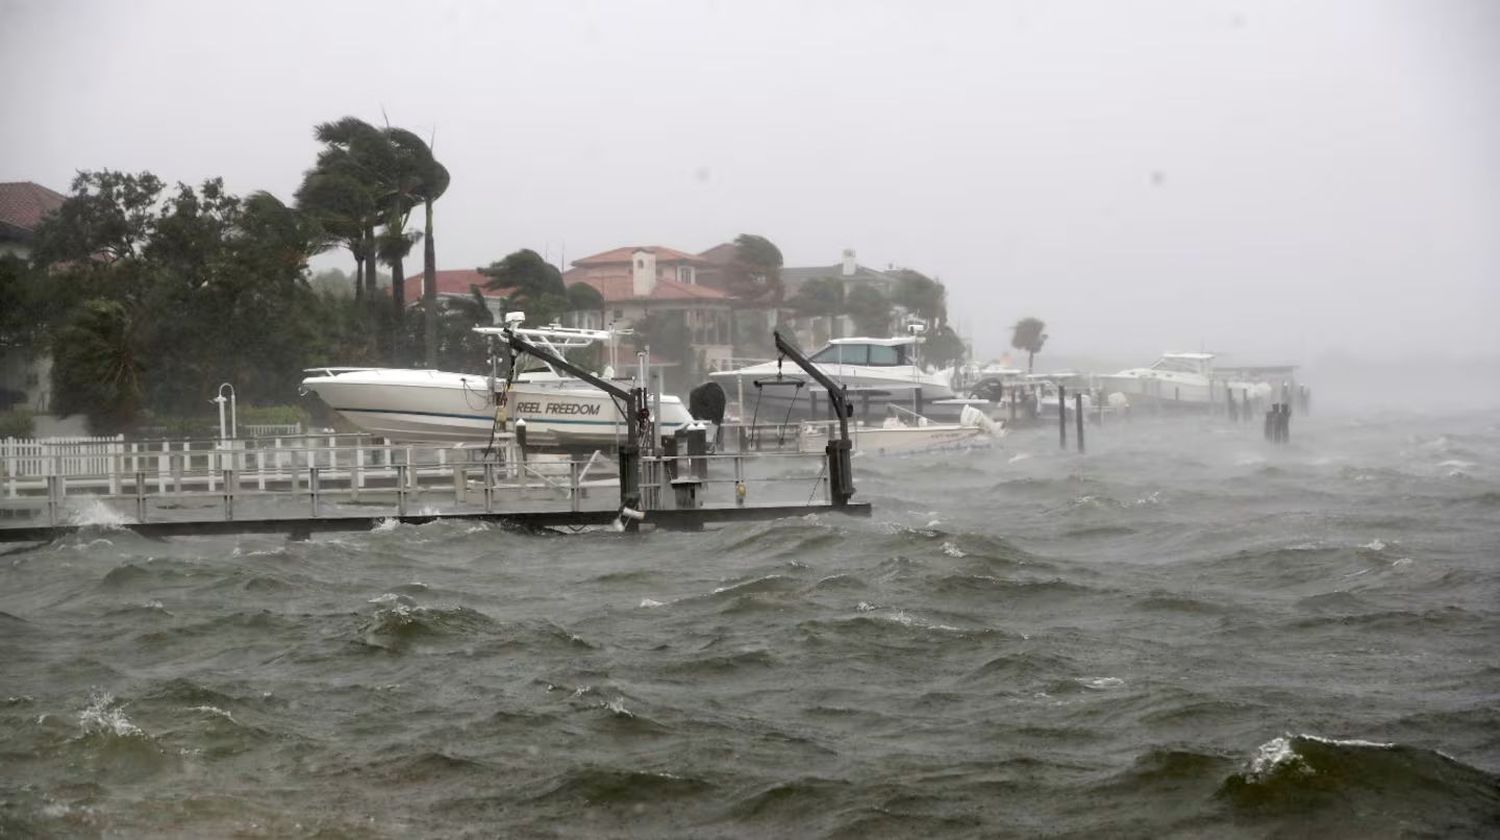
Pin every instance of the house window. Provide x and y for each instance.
(685, 274)
(640, 263)
(619, 313)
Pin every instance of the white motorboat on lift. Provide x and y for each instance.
(1182, 378)
(402, 404)
(875, 372)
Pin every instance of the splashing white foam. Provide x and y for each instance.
(1101, 683)
(864, 607)
(1019, 456)
(952, 550)
(102, 717)
(650, 603)
(1374, 545)
(96, 513)
(212, 710)
(617, 707)
(386, 525)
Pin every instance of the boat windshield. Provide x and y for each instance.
(873, 355)
(1176, 365)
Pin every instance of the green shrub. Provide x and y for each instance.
(17, 423)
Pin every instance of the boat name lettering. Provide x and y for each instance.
(557, 408)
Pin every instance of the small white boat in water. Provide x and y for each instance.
(403, 404)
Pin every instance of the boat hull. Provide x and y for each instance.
(455, 408)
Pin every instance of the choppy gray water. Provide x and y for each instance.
(1185, 632)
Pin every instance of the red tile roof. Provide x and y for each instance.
(614, 287)
(453, 282)
(619, 287)
(23, 204)
(623, 256)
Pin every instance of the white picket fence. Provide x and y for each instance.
(67, 456)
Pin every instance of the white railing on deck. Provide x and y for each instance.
(30, 457)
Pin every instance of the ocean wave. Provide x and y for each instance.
(1369, 783)
(615, 786)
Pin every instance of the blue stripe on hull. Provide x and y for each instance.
(489, 419)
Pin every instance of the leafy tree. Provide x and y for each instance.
(870, 311)
(585, 298)
(820, 297)
(341, 205)
(459, 348)
(110, 218)
(922, 296)
(214, 290)
(534, 284)
(23, 305)
(1029, 335)
(755, 271)
(428, 181)
(942, 347)
(666, 332)
(98, 365)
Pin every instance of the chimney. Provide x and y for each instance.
(642, 272)
(849, 265)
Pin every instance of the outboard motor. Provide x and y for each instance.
(990, 388)
(706, 402)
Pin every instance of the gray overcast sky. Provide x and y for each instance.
(1266, 178)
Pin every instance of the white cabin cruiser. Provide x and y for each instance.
(432, 405)
(877, 373)
(1186, 378)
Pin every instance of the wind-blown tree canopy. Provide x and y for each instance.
(341, 205)
(584, 298)
(459, 348)
(109, 217)
(1029, 335)
(820, 297)
(755, 271)
(97, 366)
(922, 296)
(534, 285)
(213, 290)
(870, 310)
(943, 347)
(424, 181)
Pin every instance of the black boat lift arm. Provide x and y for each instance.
(840, 471)
(634, 399)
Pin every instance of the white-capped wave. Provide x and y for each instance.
(102, 717)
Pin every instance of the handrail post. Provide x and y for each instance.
(312, 489)
(55, 491)
(489, 487)
(574, 481)
(401, 489)
(230, 480)
(140, 495)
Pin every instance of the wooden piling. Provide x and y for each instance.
(1078, 412)
(1062, 417)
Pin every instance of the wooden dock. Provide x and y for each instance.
(309, 484)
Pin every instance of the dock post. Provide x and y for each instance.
(401, 489)
(489, 487)
(1062, 417)
(739, 479)
(1078, 412)
(230, 480)
(140, 494)
(312, 489)
(55, 491)
(1270, 431)
(575, 480)
(1231, 412)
